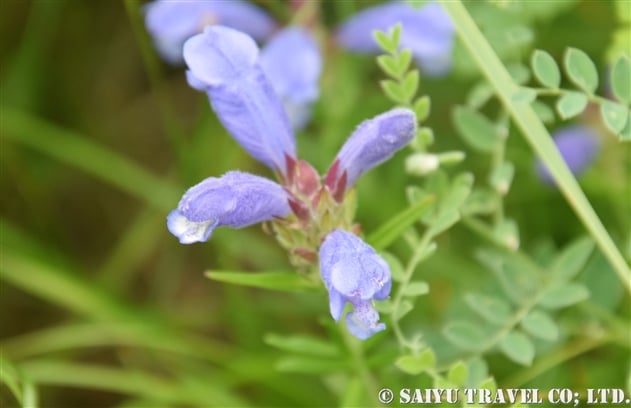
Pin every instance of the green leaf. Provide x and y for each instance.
(287, 281)
(581, 70)
(621, 79)
(409, 85)
(389, 65)
(546, 69)
(475, 129)
(518, 347)
(384, 41)
(490, 308)
(300, 344)
(458, 192)
(507, 232)
(489, 384)
(393, 90)
(519, 72)
(501, 177)
(444, 221)
(571, 104)
(416, 289)
(625, 135)
(404, 60)
(458, 373)
(480, 201)
(415, 364)
(481, 93)
(465, 335)
(387, 233)
(543, 111)
(524, 95)
(404, 308)
(422, 108)
(614, 115)
(311, 365)
(539, 324)
(396, 268)
(563, 295)
(573, 258)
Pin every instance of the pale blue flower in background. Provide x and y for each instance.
(172, 22)
(577, 144)
(353, 272)
(427, 31)
(292, 62)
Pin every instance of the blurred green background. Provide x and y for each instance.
(101, 306)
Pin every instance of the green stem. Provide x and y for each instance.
(535, 133)
(354, 346)
(417, 256)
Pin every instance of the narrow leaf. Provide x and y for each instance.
(388, 64)
(404, 308)
(621, 79)
(544, 112)
(302, 345)
(571, 104)
(560, 296)
(518, 347)
(384, 41)
(475, 129)
(573, 258)
(393, 90)
(394, 228)
(409, 85)
(546, 69)
(581, 70)
(266, 280)
(311, 365)
(539, 324)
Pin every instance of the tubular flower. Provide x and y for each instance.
(225, 63)
(578, 146)
(353, 272)
(427, 32)
(235, 200)
(171, 23)
(307, 216)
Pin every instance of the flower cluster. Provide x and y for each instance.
(310, 216)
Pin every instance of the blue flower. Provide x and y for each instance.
(295, 82)
(578, 146)
(171, 23)
(235, 200)
(225, 63)
(353, 272)
(427, 32)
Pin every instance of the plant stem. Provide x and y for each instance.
(535, 133)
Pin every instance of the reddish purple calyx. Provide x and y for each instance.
(336, 182)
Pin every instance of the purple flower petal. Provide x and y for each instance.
(427, 32)
(363, 322)
(373, 142)
(295, 81)
(353, 272)
(171, 23)
(235, 200)
(578, 146)
(225, 62)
